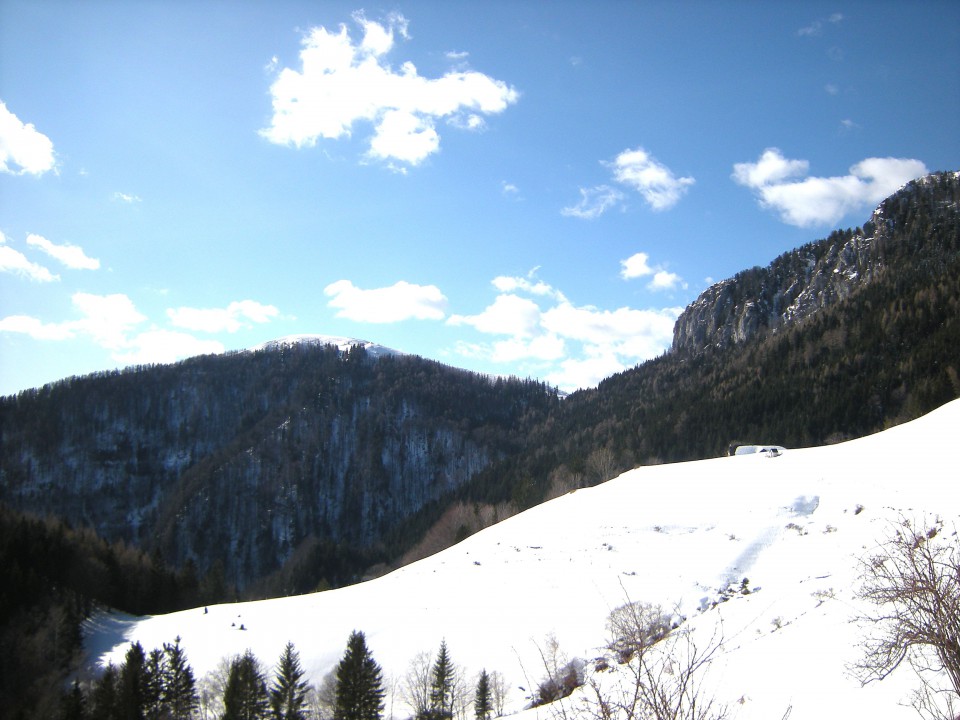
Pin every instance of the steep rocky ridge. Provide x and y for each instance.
(803, 281)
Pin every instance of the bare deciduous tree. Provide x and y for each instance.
(662, 669)
(912, 581)
(415, 687)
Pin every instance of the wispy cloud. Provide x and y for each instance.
(398, 302)
(640, 171)
(782, 185)
(126, 198)
(342, 82)
(236, 316)
(15, 262)
(816, 27)
(594, 202)
(70, 255)
(23, 148)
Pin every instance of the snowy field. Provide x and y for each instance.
(677, 535)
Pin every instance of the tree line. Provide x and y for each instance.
(161, 685)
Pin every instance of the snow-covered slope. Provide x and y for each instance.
(343, 343)
(794, 525)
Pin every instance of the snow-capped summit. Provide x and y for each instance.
(343, 343)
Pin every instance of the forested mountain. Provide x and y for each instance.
(306, 463)
(238, 464)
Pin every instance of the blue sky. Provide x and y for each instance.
(522, 188)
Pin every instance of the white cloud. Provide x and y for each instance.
(111, 321)
(508, 315)
(401, 301)
(14, 261)
(637, 265)
(607, 328)
(70, 255)
(543, 347)
(108, 319)
(810, 201)
(236, 316)
(771, 168)
(506, 283)
(586, 372)
(404, 136)
(23, 146)
(164, 346)
(638, 170)
(509, 189)
(571, 346)
(664, 280)
(36, 329)
(594, 202)
(126, 198)
(653, 180)
(341, 83)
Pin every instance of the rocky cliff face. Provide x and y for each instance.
(239, 460)
(799, 283)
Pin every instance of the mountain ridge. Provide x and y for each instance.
(803, 281)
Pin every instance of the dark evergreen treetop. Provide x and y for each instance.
(288, 694)
(442, 681)
(359, 694)
(245, 695)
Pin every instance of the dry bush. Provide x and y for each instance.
(912, 582)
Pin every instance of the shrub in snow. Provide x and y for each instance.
(635, 626)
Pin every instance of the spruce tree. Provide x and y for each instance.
(245, 696)
(288, 694)
(442, 680)
(179, 686)
(153, 688)
(104, 701)
(132, 683)
(360, 692)
(483, 702)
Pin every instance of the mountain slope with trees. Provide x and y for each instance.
(862, 353)
(241, 463)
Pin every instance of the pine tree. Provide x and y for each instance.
(483, 702)
(288, 694)
(443, 679)
(245, 696)
(359, 683)
(179, 685)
